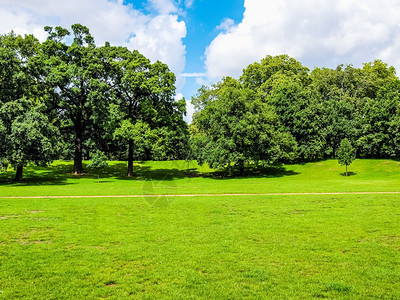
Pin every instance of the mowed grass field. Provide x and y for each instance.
(300, 246)
(180, 177)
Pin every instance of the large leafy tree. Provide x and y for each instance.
(27, 135)
(33, 139)
(75, 72)
(301, 113)
(325, 106)
(340, 95)
(283, 83)
(376, 75)
(346, 93)
(232, 127)
(129, 73)
(144, 111)
(260, 76)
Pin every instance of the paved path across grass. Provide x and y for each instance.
(198, 195)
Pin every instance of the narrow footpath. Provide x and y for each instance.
(199, 195)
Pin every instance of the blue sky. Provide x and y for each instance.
(205, 40)
(202, 19)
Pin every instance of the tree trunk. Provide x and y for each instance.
(78, 168)
(18, 175)
(241, 167)
(346, 171)
(130, 159)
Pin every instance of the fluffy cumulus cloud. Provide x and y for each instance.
(318, 33)
(157, 36)
(163, 6)
(161, 39)
(226, 24)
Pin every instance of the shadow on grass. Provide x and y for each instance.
(252, 172)
(36, 176)
(59, 174)
(303, 162)
(143, 172)
(348, 174)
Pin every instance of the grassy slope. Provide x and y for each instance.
(282, 247)
(171, 177)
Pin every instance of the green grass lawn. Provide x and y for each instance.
(222, 247)
(174, 177)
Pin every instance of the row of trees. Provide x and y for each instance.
(66, 97)
(280, 111)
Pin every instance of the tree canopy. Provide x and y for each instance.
(318, 109)
(27, 132)
(74, 74)
(233, 126)
(84, 95)
(145, 113)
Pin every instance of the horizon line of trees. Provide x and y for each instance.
(67, 98)
(280, 111)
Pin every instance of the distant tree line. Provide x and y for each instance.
(280, 111)
(67, 98)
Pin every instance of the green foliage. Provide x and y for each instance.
(140, 134)
(380, 131)
(116, 100)
(98, 162)
(97, 89)
(301, 114)
(325, 106)
(88, 92)
(75, 75)
(3, 134)
(235, 127)
(33, 139)
(145, 114)
(171, 143)
(260, 76)
(27, 132)
(346, 154)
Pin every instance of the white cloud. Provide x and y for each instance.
(161, 39)
(164, 6)
(189, 108)
(194, 74)
(189, 3)
(226, 25)
(158, 37)
(202, 81)
(317, 33)
(189, 112)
